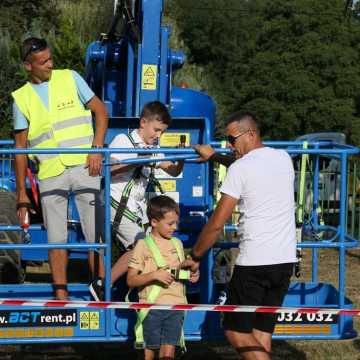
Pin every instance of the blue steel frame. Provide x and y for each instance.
(340, 240)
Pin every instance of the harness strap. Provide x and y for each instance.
(121, 206)
(221, 174)
(154, 182)
(300, 207)
(155, 289)
(125, 212)
(301, 191)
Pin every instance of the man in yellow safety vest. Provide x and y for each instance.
(53, 110)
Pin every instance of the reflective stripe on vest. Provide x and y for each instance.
(65, 124)
(156, 289)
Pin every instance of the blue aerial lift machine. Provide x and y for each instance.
(127, 70)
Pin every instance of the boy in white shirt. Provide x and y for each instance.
(130, 182)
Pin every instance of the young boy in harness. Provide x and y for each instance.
(154, 268)
(130, 185)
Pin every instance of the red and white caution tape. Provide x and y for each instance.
(187, 307)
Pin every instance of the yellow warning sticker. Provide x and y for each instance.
(172, 139)
(168, 185)
(94, 320)
(84, 320)
(149, 77)
(89, 320)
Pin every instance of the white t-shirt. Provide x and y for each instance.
(137, 201)
(263, 180)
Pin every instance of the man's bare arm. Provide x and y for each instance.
(210, 232)
(21, 137)
(101, 122)
(223, 159)
(215, 225)
(207, 153)
(101, 119)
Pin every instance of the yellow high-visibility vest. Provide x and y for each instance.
(65, 124)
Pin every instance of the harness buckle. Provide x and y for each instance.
(180, 274)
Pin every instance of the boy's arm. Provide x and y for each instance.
(136, 279)
(173, 169)
(135, 275)
(117, 169)
(122, 141)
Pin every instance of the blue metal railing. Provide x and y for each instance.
(340, 239)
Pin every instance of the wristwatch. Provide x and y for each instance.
(96, 146)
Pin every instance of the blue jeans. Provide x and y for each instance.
(162, 327)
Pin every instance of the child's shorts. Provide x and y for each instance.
(162, 327)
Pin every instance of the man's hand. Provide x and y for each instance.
(189, 263)
(164, 277)
(23, 210)
(94, 163)
(205, 152)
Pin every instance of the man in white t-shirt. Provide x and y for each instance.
(263, 179)
(129, 183)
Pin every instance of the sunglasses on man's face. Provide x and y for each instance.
(38, 45)
(232, 139)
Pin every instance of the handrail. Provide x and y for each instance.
(349, 151)
(187, 154)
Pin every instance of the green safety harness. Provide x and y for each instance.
(121, 206)
(156, 289)
(300, 206)
(221, 176)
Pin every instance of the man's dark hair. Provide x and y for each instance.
(158, 206)
(32, 45)
(156, 111)
(247, 116)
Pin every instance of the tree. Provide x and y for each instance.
(61, 22)
(295, 62)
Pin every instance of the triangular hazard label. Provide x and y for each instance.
(149, 72)
(84, 316)
(94, 316)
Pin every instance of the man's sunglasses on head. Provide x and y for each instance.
(37, 45)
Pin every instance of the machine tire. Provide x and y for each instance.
(11, 270)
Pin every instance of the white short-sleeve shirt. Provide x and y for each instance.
(263, 180)
(137, 201)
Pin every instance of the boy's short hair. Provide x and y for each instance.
(156, 111)
(158, 206)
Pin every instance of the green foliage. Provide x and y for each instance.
(69, 27)
(10, 76)
(81, 22)
(295, 62)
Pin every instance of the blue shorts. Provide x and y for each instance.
(162, 327)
